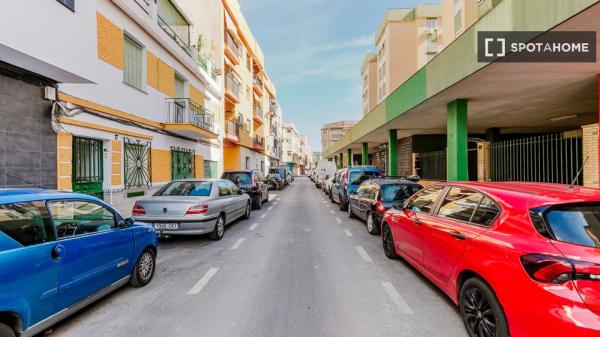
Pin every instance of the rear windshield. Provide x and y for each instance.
(357, 177)
(577, 223)
(391, 193)
(239, 177)
(187, 188)
(274, 171)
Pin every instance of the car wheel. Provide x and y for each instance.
(143, 272)
(350, 214)
(481, 312)
(258, 202)
(247, 211)
(267, 200)
(6, 331)
(389, 248)
(343, 206)
(219, 230)
(372, 227)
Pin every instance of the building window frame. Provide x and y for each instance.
(70, 4)
(129, 38)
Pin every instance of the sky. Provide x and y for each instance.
(313, 52)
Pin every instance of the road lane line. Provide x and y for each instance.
(275, 203)
(397, 298)
(270, 208)
(238, 243)
(363, 254)
(272, 195)
(253, 226)
(331, 211)
(348, 233)
(203, 281)
(263, 216)
(338, 220)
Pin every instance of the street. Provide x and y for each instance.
(298, 267)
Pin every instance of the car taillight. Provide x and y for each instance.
(548, 268)
(199, 209)
(254, 183)
(138, 210)
(379, 208)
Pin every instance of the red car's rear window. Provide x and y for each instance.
(575, 223)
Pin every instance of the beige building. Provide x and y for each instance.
(406, 40)
(368, 73)
(459, 15)
(333, 132)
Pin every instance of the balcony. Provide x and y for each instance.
(432, 48)
(258, 114)
(189, 119)
(232, 49)
(173, 22)
(232, 131)
(232, 88)
(259, 143)
(258, 86)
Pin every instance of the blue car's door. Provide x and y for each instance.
(28, 268)
(95, 252)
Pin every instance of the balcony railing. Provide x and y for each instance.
(258, 82)
(233, 45)
(232, 128)
(232, 84)
(179, 33)
(258, 112)
(184, 111)
(259, 140)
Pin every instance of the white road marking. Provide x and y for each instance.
(238, 243)
(338, 219)
(331, 211)
(253, 226)
(263, 216)
(270, 208)
(278, 199)
(363, 254)
(275, 203)
(324, 202)
(203, 281)
(272, 195)
(397, 298)
(348, 233)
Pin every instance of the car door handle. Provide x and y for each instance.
(416, 221)
(57, 252)
(458, 235)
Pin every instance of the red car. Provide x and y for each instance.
(519, 259)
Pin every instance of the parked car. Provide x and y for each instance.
(252, 182)
(194, 207)
(519, 259)
(375, 196)
(60, 252)
(281, 171)
(275, 182)
(348, 182)
(328, 183)
(324, 168)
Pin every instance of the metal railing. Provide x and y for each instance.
(432, 165)
(184, 111)
(232, 84)
(233, 45)
(259, 140)
(232, 128)
(258, 111)
(258, 82)
(172, 31)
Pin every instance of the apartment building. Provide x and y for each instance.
(406, 40)
(294, 149)
(459, 15)
(368, 74)
(333, 132)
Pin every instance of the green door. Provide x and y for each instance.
(182, 163)
(87, 166)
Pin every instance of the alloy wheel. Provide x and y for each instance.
(146, 266)
(388, 242)
(247, 213)
(370, 223)
(478, 314)
(220, 227)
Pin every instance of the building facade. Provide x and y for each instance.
(295, 146)
(333, 132)
(368, 75)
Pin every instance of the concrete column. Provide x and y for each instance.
(365, 154)
(392, 153)
(457, 153)
(590, 151)
(483, 161)
(349, 157)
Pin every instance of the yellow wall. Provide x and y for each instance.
(231, 158)
(161, 165)
(116, 163)
(196, 95)
(152, 70)
(110, 42)
(166, 79)
(64, 164)
(199, 167)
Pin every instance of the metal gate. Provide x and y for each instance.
(554, 158)
(432, 165)
(87, 166)
(137, 163)
(182, 163)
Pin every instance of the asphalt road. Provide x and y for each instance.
(299, 267)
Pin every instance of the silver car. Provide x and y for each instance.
(194, 207)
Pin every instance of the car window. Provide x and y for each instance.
(233, 188)
(224, 190)
(486, 213)
(28, 223)
(424, 201)
(358, 177)
(400, 192)
(259, 176)
(575, 223)
(460, 204)
(239, 177)
(187, 188)
(73, 218)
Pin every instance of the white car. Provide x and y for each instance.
(328, 184)
(324, 168)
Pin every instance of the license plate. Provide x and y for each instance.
(167, 226)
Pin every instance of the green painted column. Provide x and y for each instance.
(341, 160)
(349, 157)
(458, 160)
(365, 154)
(336, 161)
(392, 158)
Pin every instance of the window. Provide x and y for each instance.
(392, 193)
(27, 223)
(357, 177)
(210, 169)
(233, 188)
(223, 189)
(459, 204)
(179, 87)
(187, 188)
(486, 213)
(238, 177)
(458, 21)
(575, 223)
(74, 218)
(424, 201)
(70, 4)
(432, 23)
(132, 67)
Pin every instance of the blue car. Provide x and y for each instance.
(61, 251)
(347, 182)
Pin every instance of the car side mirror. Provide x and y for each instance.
(240, 192)
(126, 223)
(413, 178)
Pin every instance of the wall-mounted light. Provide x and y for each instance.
(562, 118)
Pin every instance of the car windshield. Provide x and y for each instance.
(274, 171)
(187, 188)
(358, 177)
(400, 192)
(575, 223)
(238, 177)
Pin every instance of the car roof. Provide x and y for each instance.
(239, 171)
(363, 168)
(11, 195)
(392, 181)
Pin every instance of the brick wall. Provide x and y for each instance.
(590, 148)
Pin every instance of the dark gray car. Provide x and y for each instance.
(194, 207)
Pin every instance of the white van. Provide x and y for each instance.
(324, 169)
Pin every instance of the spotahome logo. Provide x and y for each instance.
(536, 46)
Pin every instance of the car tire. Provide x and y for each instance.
(248, 211)
(6, 331)
(350, 214)
(478, 306)
(219, 230)
(143, 272)
(343, 206)
(389, 247)
(258, 202)
(372, 227)
(267, 200)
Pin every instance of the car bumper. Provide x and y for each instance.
(194, 227)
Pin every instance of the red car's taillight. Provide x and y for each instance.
(138, 210)
(254, 183)
(548, 268)
(379, 208)
(196, 210)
